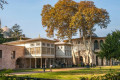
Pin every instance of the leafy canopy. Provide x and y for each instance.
(68, 16)
(16, 32)
(111, 47)
(59, 17)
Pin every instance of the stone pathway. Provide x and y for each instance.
(53, 70)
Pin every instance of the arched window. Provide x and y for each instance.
(101, 42)
(96, 46)
(81, 59)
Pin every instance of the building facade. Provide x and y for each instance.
(34, 53)
(10, 55)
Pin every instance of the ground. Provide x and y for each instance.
(68, 73)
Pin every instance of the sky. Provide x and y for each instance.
(26, 13)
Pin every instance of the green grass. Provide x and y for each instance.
(76, 74)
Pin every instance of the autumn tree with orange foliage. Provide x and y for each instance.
(67, 17)
(59, 18)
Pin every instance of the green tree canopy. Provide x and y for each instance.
(111, 47)
(15, 31)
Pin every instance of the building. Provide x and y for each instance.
(34, 53)
(10, 55)
(63, 54)
(38, 52)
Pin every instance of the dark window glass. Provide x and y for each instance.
(13, 55)
(0, 53)
(96, 46)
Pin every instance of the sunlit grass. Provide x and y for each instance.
(76, 74)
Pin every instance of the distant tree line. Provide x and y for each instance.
(15, 33)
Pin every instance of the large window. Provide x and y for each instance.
(52, 45)
(44, 50)
(43, 44)
(52, 51)
(101, 42)
(78, 42)
(48, 50)
(13, 55)
(27, 51)
(37, 50)
(37, 44)
(48, 45)
(96, 46)
(32, 50)
(32, 44)
(0, 53)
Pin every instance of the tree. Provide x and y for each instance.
(111, 47)
(58, 18)
(2, 2)
(15, 31)
(87, 17)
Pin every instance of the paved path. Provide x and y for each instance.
(53, 70)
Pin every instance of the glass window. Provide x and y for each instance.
(44, 50)
(13, 55)
(31, 44)
(37, 50)
(27, 51)
(52, 51)
(96, 46)
(48, 45)
(43, 44)
(37, 44)
(0, 53)
(101, 43)
(32, 50)
(58, 47)
(48, 50)
(52, 45)
(78, 42)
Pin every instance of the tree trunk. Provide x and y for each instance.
(111, 62)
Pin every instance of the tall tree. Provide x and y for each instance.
(87, 17)
(111, 47)
(58, 18)
(2, 2)
(15, 31)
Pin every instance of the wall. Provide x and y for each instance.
(6, 62)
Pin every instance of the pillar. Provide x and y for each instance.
(41, 62)
(35, 63)
(45, 62)
(30, 62)
(50, 62)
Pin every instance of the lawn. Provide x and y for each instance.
(76, 74)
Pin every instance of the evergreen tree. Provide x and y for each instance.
(111, 47)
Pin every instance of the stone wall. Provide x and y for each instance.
(7, 62)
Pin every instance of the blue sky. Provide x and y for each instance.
(26, 13)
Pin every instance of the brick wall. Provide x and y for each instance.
(6, 62)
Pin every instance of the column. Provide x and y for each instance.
(45, 62)
(35, 63)
(50, 62)
(30, 62)
(41, 62)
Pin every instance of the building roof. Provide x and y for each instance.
(29, 40)
(86, 38)
(62, 43)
